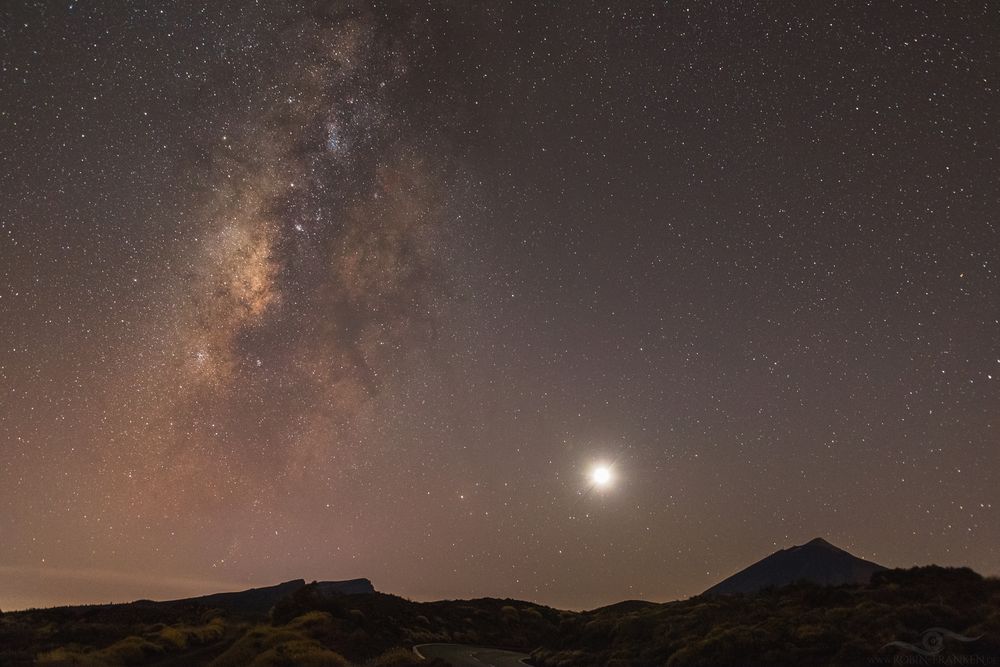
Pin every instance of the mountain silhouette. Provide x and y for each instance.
(262, 599)
(323, 623)
(816, 561)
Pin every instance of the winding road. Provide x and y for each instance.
(459, 655)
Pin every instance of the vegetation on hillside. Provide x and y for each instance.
(801, 624)
(306, 628)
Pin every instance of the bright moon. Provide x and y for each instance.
(601, 475)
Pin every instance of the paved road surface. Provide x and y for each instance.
(459, 655)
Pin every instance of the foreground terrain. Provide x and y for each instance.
(463, 655)
(801, 624)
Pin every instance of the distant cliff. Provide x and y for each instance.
(261, 599)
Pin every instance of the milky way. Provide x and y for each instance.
(319, 268)
(315, 276)
(326, 290)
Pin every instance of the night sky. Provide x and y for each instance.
(331, 290)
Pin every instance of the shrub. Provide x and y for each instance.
(397, 657)
(130, 651)
(254, 643)
(66, 656)
(299, 652)
(173, 637)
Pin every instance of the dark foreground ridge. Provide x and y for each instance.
(816, 561)
(954, 611)
(262, 599)
(874, 623)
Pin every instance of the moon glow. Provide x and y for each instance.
(601, 476)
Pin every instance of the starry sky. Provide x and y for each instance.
(350, 289)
